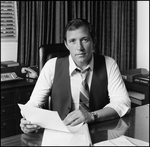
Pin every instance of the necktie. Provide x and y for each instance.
(84, 91)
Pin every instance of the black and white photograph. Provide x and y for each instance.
(74, 73)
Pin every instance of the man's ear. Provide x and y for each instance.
(94, 42)
(66, 45)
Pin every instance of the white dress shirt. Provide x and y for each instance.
(119, 99)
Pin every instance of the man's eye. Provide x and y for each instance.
(72, 41)
(85, 40)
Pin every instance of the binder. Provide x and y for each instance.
(9, 63)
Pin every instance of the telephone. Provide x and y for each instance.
(30, 73)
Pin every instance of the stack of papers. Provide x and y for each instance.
(56, 138)
(56, 132)
(122, 141)
(46, 119)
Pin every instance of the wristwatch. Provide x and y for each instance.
(95, 115)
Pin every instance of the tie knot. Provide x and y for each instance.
(84, 73)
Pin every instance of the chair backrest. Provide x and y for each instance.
(49, 51)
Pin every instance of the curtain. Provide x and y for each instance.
(43, 22)
(116, 28)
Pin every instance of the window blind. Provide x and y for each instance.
(9, 21)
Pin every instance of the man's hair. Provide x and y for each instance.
(76, 23)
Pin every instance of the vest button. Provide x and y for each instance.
(69, 108)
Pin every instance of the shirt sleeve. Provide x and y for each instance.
(119, 98)
(41, 91)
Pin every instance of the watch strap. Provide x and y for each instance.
(95, 115)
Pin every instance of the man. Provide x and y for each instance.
(61, 79)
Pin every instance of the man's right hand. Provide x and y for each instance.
(27, 127)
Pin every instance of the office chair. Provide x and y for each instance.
(49, 51)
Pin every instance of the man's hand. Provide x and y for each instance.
(78, 116)
(27, 127)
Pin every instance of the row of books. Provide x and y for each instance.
(141, 79)
(136, 97)
(140, 76)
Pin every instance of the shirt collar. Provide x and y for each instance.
(72, 65)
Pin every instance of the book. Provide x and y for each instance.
(135, 101)
(137, 95)
(129, 74)
(9, 63)
(141, 79)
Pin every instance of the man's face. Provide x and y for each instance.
(80, 45)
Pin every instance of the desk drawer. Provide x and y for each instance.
(8, 127)
(7, 97)
(7, 111)
(24, 94)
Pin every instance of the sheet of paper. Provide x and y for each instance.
(137, 142)
(46, 118)
(55, 138)
(104, 143)
(122, 141)
(119, 141)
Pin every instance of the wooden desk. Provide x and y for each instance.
(135, 125)
(13, 92)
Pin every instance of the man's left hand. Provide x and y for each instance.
(78, 116)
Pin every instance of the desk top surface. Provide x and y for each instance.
(135, 125)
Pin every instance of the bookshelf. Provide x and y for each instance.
(138, 88)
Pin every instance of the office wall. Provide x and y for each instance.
(143, 34)
(9, 49)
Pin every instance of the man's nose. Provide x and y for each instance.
(79, 45)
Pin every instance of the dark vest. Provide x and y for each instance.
(61, 91)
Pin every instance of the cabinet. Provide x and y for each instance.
(11, 94)
(140, 89)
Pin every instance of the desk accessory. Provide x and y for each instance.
(30, 73)
(9, 63)
(12, 74)
(129, 74)
(9, 77)
(141, 79)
